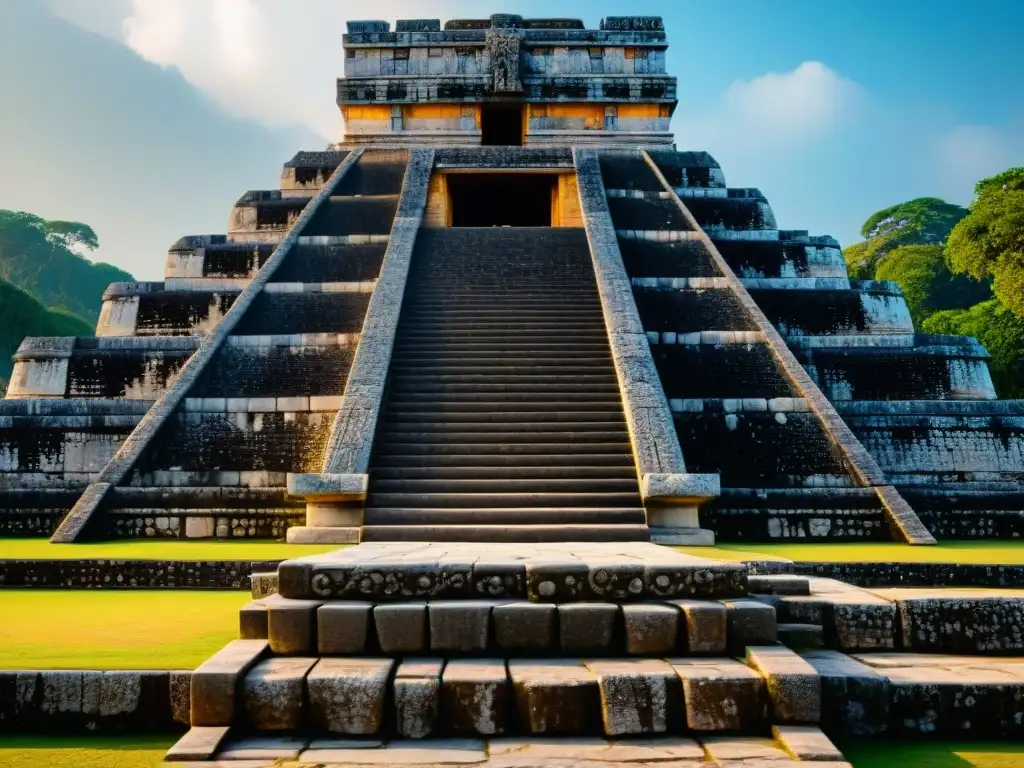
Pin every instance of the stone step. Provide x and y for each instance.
(498, 461)
(510, 485)
(503, 473)
(506, 533)
(514, 434)
(486, 385)
(503, 403)
(506, 418)
(546, 512)
(508, 499)
(394, 448)
(502, 370)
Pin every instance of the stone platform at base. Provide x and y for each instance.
(791, 744)
(543, 572)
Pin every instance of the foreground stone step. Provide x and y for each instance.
(529, 533)
(505, 752)
(549, 509)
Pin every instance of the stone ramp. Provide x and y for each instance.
(504, 420)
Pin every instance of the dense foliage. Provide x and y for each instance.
(44, 258)
(927, 282)
(1002, 333)
(22, 314)
(948, 261)
(989, 242)
(924, 221)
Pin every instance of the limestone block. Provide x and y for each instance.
(523, 627)
(722, 695)
(806, 742)
(401, 627)
(638, 695)
(346, 695)
(587, 628)
(199, 528)
(213, 684)
(650, 628)
(475, 696)
(958, 621)
(252, 621)
(854, 697)
(120, 693)
(180, 685)
(459, 625)
(342, 627)
(62, 694)
(794, 686)
(749, 622)
(556, 696)
(200, 743)
(273, 691)
(291, 626)
(417, 696)
(263, 585)
(704, 626)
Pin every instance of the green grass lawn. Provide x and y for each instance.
(126, 751)
(114, 629)
(133, 549)
(881, 754)
(966, 552)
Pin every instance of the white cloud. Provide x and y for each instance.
(268, 60)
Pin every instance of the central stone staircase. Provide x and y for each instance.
(504, 419)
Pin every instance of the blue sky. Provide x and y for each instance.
(833, 108)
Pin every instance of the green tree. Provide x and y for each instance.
(923, 221)
(45, 258)
(927, 283)
(989, 242)
(1002, 333)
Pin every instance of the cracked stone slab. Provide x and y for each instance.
(274, 693)
(417, 697)
(475, 696)
(397, 753)
(199, 743)
(668, 750)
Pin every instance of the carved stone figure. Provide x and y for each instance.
(503, 46)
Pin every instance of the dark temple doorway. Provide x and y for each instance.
(502, 125)
(501, 199)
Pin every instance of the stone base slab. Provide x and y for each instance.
(683, 537)
(550, 573)
(323, 535)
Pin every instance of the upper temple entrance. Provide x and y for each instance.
(502, 125)
(496, 198)
(507, 81)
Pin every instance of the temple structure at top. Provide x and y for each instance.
(507, 81)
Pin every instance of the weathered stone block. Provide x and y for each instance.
(587, 628)
(213, 684)
(417, 696)
(499, 579)
(523, 627)
(794, 686)
(704, 629)
(252, 621)
(476, 697)
(721, 695)
(780, 584)
(801, 636)
(806, 742)
(854, 697)
(274, 693)
(556, 696)
(263, 585)
(638, 695)
(749, 622)
(342, 627)
(291, 626)
(650, 629)
(459, 625)
(347, 695)
(401, 627)
(180, 693)
(556, 581)
(952, 621)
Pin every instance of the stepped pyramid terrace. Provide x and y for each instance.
(511, 345)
